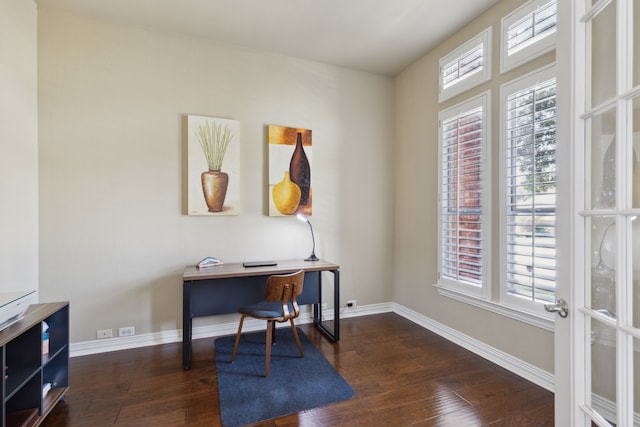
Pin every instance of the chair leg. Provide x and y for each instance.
(267, 355)
(295, 334)
(235, 346)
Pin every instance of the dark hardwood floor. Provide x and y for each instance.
(402, 374)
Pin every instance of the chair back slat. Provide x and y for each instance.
(276, 290)
(283, 287)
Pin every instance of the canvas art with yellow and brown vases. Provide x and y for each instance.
(213, 150)
(290, 190)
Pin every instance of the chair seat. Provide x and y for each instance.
(264, 310)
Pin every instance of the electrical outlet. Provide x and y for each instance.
(104, 333)
(127, 331)
(352, 304)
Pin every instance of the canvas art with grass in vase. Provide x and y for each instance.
(213, 146)
(290, 190)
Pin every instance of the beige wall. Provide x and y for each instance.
(416, 198)
(18, 146)
(113, 237)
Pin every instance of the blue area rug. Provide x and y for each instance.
(295, 384)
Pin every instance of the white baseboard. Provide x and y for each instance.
(144, 340)
(532, 373)
(519, 367)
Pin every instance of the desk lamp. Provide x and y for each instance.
(313, 256)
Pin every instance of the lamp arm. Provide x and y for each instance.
(313, 256)
(313, 238)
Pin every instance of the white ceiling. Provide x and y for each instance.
(379, 36)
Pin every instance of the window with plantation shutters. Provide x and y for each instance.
(523, 248)
(463, 208)
(528, 32)
(461, 67)
(466, 67)
(529, 221)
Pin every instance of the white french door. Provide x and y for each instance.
(598, 345)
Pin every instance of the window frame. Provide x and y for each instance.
(521, 83)
(482, 100)
(473, 79)
(537, 48)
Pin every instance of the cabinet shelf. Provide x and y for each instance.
(46, 358)
(51, 399)
(16, 379)
(26, 417)
(25, 369)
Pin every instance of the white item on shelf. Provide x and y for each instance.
(45, 389)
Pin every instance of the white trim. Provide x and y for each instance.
(144, 340)
(537, 48)
(532, 373)
(541, 320)
(519, 367)
(532, 78)
(473, 79)
(569, 338)
(123, 343)
(607, 408)
(598, 7)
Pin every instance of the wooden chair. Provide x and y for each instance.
(279, 305)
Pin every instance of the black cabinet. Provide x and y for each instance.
(35, 364)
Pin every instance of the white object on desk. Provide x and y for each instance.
(209, 261)
(13, 305)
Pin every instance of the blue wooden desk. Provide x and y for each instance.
(225, 288)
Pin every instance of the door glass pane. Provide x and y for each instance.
(603, 264)
(636, 44)
(636, 376)
(603, 370)
(603, 55)
(635, 182)
(635, 261)
(602, 129)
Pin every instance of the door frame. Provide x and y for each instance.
(569, 366)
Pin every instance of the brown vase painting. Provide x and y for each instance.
(289, 154)
(214, 163)
(214, 188)
(300, 171)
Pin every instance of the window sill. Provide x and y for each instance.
(539, 321)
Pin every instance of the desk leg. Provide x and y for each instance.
(317, 312)
(186, 325)
(336, 305)
(317, 308)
